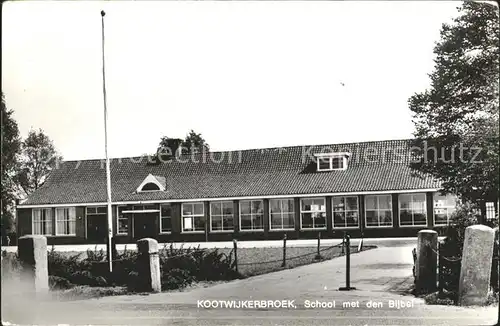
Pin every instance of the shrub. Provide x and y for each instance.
(124, 264)
(179, 268)
(440, 298)
(133, 282)
(59, 283)
(95, 255)
(83, 278)
(62, 266)
(465, 216)
(10, 263)
(176, 279)
(215, 266)
(81, 291)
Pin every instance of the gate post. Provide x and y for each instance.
(426, 266)
(475, 272)
(149, 264)
(32, 250)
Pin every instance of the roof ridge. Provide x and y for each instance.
(250, 149)
(324, 144)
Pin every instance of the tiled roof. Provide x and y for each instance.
(373, 166)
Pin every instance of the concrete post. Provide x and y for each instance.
(475, 273)
(235, 245)
(284, 251)
(32, 251)
(149, 265)
(426, 264)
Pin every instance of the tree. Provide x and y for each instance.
(169, 147)
(10, 148)
(38, 158)
(195, 143)
(456, 120)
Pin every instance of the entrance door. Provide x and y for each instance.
(145, 225)
(96, 228)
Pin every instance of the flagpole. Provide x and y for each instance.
(109, 248)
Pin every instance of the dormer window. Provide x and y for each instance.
(152, 183)
(331, 161)
(150, 187)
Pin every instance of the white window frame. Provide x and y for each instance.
(150, 179)
(448, 214)
(143, 208)
(345, 211)
(192, 216)
(378, 212)
(490, 211)
(281, 214)
(43, 217)
(222, 215)
(252, 215)
(161, 219)
(97, 212)
(412, 212)
(66, 218)
(118, 221)
(322, 211)
(330, 157)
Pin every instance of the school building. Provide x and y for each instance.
(367, 189)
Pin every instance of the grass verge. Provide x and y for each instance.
(257, 261)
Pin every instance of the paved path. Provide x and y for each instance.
(377, 274)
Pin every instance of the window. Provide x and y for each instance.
(412, 210)
(150, 187)
(97, 210)
(121, 220)
(150, 207)
(378, 211)
(345, 212)
(193, 217)
(152, 183)
(331, 161)
(337, 163)
(444, 207)
(221, 216)
(313, 213)
(165, 218)
(252, 215)
(324, 164)
(42, 221)
(282, 214)
(66, 221)
(490, 211)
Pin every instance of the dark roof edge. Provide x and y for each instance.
(242, 197)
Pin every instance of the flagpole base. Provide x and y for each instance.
(345, 288)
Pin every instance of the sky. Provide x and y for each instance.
(243, 74)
